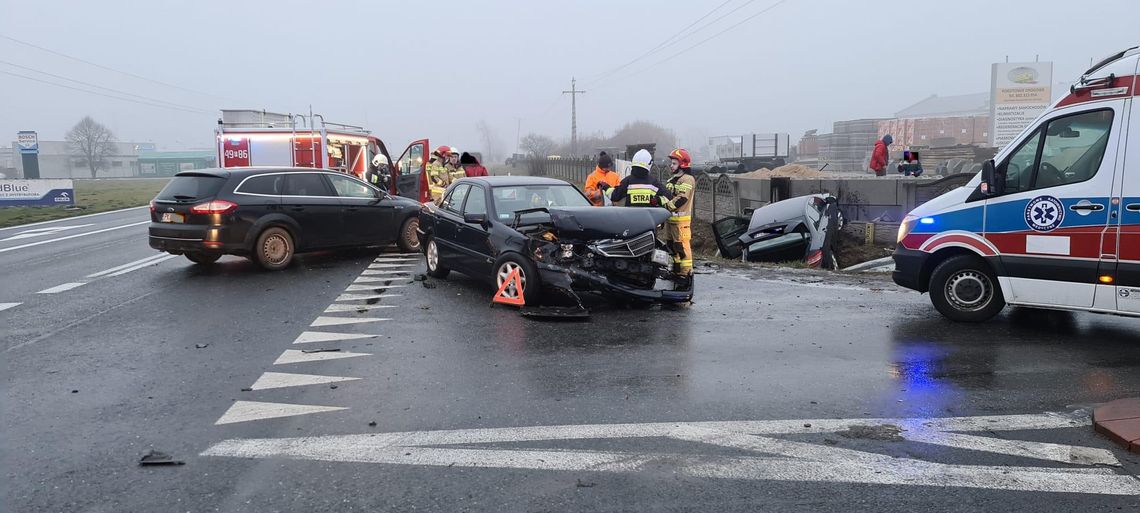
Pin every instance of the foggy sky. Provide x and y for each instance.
(408, 70)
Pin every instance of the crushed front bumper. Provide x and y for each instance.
(568, 280)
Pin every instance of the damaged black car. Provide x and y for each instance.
(547, 231)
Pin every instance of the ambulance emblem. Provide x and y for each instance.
(1044, 213)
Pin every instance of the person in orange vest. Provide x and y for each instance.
(603, 174)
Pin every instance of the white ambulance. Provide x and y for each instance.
(1052, 222)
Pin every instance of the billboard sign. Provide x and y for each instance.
(28, 142)
(1019, 92)
(25, 193)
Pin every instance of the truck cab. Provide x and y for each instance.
(1053, 221)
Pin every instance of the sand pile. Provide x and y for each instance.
(793, 170)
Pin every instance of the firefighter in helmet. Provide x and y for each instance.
(639, 189)
(454, 170)
(438, 174)
(379, 172)
(679, 232)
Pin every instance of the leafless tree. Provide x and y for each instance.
(492, 144)
(538, 145)
(92, 142)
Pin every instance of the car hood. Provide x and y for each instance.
(594, 223)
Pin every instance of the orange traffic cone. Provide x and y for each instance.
(502, 297)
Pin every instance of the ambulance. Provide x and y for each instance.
(256, 138)
(1053, 221)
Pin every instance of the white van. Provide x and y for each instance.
(1052, 222)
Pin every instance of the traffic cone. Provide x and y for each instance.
(501, 296)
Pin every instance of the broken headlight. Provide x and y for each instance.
(566, 251)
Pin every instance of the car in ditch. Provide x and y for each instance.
(804, 228)
(546, 230)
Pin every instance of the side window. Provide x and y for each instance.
(269, 185)
(1019, 168)
(476, 201)
(412, 161)
(306, 184)
(348, 188)
(1074, 148)
(454, 200)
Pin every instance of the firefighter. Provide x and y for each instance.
(379, 172)
(454, 170)
(438, 175)
(639, 189)
(680, 232)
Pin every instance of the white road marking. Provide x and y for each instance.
(5, 306)
(355, 308)
(357, 288)
(337, 321)
(245, 411)
(84, 234)
(144, 264)
(72, 218)
(298, 356)
(375, 279)
(772, 459)
(126, 265)
(284, 379)
(374, 272)
(62, 288)
(391, 266)
(309, 337)
(27, 234)
(402, 260)
(363, 297)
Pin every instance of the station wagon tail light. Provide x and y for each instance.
(214, 207)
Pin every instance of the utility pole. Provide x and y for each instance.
(518, 134)
(573, 92)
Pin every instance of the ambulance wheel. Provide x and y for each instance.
(409, 242)
(964, 289)
(435, 267)
(528, 275)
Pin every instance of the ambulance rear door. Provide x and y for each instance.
(1127, 272)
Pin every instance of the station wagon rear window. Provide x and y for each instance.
(193, 187)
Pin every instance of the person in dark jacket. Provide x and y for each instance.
(880, 155)
(640, 189)
(471, 165)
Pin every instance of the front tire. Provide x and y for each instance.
(964, 289)
(435, 267)
(274, 249)
(408, 241)
(203, 258)
(528, 274)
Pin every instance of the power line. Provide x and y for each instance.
(107, 68)
(88, 91)
(703, 41)
(116, 91)
(668, 41)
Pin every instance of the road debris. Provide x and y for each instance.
(201, 346)
(420, 277)
(586, 484)
(155, 458)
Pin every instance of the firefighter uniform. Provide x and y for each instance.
(438, 176)
(640, 189)
(680, 231)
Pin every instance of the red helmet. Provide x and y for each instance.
(684, 161)
(442, 150)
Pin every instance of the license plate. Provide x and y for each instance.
(661, 257)
(170, 217)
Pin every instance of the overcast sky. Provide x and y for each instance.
(430, 69)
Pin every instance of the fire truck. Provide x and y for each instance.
(256, 138)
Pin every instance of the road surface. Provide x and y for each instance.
(343, 384)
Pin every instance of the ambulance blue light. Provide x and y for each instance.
(926, 220)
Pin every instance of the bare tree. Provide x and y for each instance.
(92, 142)
(492, 143)
(538, 145)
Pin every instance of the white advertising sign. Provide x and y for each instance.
(21, 193)
(1019, 92)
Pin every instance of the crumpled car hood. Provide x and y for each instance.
(594, 223)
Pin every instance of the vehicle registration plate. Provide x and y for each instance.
(171, 217)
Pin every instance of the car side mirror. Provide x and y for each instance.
(989, 186)
(475, 218)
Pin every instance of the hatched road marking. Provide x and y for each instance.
(299, 356)
(27, 234)
(84, 234)
(326, 336)
(284, 379)
(245, 411)
(762, 455)
(355, 308)
(62, 288)
(5, 306)
(363, 297)
(338, 321)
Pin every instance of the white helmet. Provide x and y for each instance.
(380, 160)
(642, 159)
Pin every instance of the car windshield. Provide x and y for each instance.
(511, 199)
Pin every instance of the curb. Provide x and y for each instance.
(1120, 422)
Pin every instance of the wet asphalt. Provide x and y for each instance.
(97, 376)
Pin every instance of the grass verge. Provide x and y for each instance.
(92, 196)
